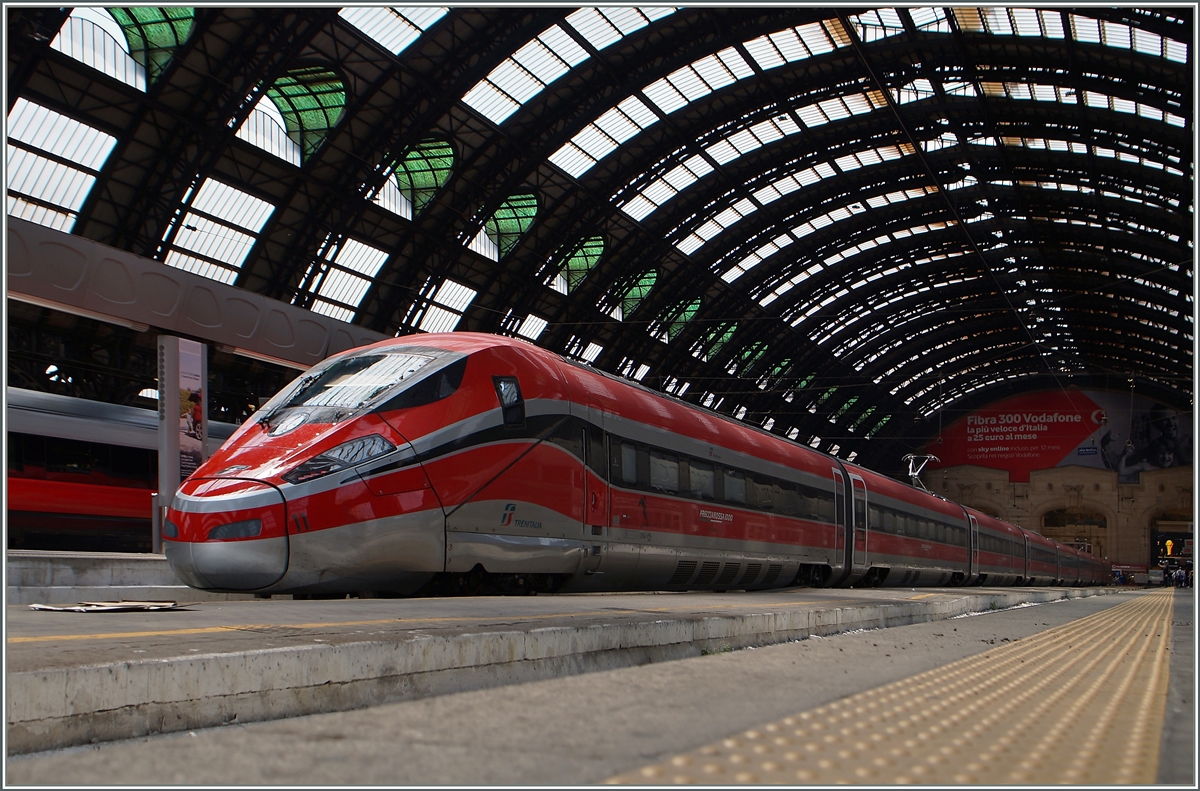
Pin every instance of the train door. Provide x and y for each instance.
(595, 492)
(859, 489)
(973, 543)
(841, 545)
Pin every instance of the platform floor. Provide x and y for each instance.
(613, 724)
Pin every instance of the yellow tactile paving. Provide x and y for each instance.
(1080, 704)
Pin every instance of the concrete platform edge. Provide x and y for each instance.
(61, 708)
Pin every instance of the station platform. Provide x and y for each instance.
(78, 677)
(798, 686)
(52, 577)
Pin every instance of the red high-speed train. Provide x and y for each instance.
(471, 462)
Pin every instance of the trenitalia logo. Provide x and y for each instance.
(715, 516)
(507, 517)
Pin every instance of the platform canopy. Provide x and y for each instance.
(844, 225)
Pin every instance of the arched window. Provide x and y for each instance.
(422, 171)
(714, 340)
(638, 291)
(125, 43)
(680, 316)
(582, 261)
(153, 34)
(503, 229)
(299, 109)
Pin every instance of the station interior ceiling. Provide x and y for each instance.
(847, 226)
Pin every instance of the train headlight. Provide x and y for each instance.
(348, 454)
(247, 529)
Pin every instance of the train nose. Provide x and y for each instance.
(227, 534)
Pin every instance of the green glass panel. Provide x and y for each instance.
(863, 417)
(423, 171)
(880, 424)
(806, 382)
(312, 100)
(825, 397)
(637, 292)
(511, 220)
(752, 353)
(782, 367)
(583, 260)
(845, 407)
(154, 33)
(720, 336)
(684, 312)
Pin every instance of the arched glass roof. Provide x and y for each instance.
(843, 225)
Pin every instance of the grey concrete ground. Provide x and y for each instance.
(573, 730)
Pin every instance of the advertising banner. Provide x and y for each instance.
(1102, 429)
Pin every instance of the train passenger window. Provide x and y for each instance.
(826, 508)
(512, 405)
(735, 486)
(788, 500)
(664, 472)
(889, 523)
(701, 480)
(876, 519)
(628, 464)
(760, 494)
(941, 531)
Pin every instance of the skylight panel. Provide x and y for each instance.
(757, 257)
(877, 24)
(221, 225)
(57, 134)
(532, 327)
(232, 205)
(348, 288)
(393, 28)
(44, 190)
(524, 75)
(445, 308)
(599, 139)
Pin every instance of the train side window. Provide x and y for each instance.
(759, 494)
(595, 450)
(512, 405)
(664, 472)
(789, 500)
(889, 523)
(734, 486)
(875, 519)
(68, 455)
(701, 480)
(941, 531)
(625, 462)
(825, 507)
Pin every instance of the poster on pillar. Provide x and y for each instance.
(191, 408)
(1087, 428)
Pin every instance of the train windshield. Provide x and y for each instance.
(344, 387)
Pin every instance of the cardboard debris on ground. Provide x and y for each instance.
(110, 606)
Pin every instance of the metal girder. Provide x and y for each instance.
(1036, 219)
